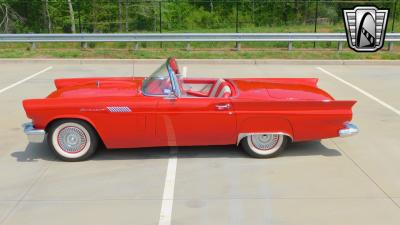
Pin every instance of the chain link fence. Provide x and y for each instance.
(111, 16)
(185, 16)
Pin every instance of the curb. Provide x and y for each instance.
(205, 61)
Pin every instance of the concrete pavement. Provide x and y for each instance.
(337, 181)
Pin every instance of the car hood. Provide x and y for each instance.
(281, 89)
(102, 87)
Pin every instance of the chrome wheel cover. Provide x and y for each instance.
(71, 139)
(264, 141)
(265, 144)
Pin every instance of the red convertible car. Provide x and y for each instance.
(167, 109)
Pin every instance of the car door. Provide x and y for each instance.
(195, 121)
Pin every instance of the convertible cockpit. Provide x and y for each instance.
(167, 80)
(218, 88)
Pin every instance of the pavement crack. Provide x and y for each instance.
(366, 174)
(26, 192)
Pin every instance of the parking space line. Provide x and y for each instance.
(361, 91)
(25, 79)
(169, 186)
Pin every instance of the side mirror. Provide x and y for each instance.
(171, 96)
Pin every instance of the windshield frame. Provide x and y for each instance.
(173, 80)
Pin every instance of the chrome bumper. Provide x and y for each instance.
(349, 130)
(34, 135)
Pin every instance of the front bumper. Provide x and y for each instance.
(34, 135)
(349, 130)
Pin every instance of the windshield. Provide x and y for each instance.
(163, 80)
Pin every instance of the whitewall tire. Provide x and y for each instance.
(72, 140)
(264, 145)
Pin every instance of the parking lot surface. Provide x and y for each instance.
(353, 180)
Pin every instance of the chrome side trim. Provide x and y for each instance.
(243, 135)
(34, 135)
(349, 130)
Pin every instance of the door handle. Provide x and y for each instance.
(223, 106)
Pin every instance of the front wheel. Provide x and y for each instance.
(72, 140)
(264, 145)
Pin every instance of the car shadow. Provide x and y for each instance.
(309, 148)
(34, 152)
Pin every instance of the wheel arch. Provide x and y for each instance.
(264, 125)
(69, 117)
(241, 136)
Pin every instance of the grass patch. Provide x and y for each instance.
(244, 53)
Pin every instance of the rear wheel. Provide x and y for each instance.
(264, 145)
(72, 140)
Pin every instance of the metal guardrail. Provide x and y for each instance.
(187, 37)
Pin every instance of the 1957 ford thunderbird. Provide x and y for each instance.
(168, 109)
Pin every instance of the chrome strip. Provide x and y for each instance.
(243, 135)
(174, 82)
(153, 95)
(34, 135)
(349, 130)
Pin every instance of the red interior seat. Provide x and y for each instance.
(221, 89)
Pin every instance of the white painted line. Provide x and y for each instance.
(361, 91)
(25, 79)
(168, 195)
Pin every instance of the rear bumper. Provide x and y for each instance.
(34, 135)
(349, 130)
